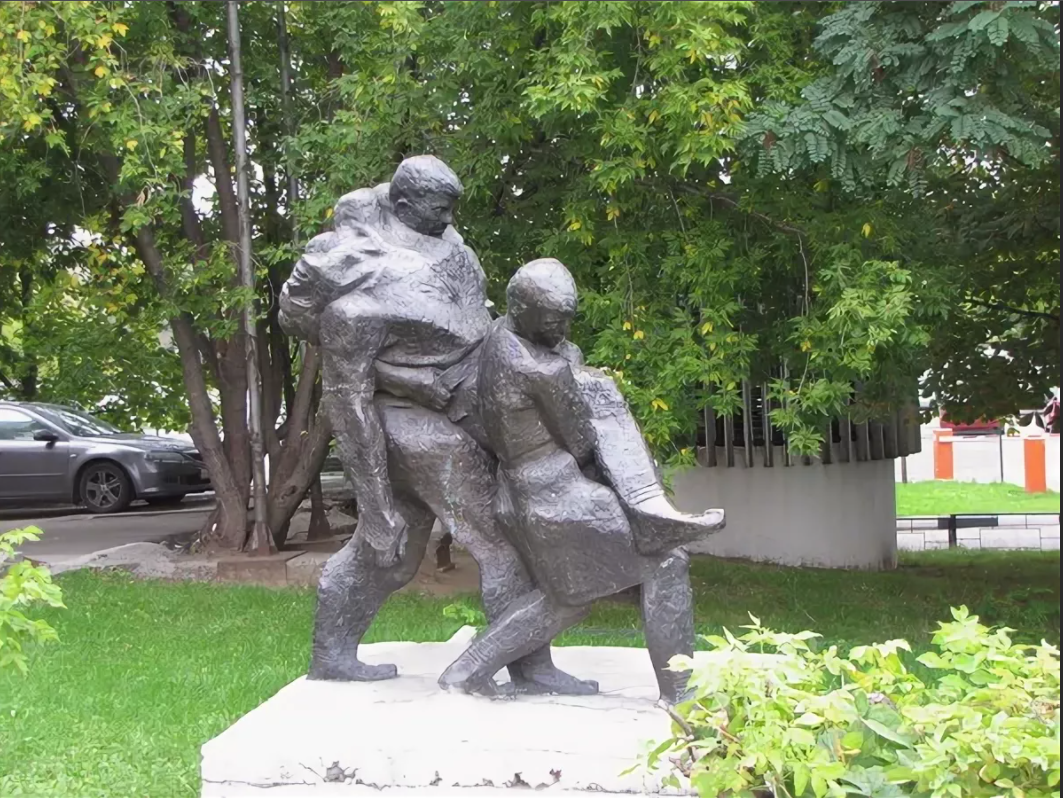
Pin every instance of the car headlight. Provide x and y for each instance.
(164, 456)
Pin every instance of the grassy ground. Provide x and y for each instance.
(147, 672)
(945, 498)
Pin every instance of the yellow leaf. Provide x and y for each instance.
(639, 335)
(627, 325)
(712, 346)
(654, 116)
(867, 229)
(659, 404)
(120, 28)
(328, 213)
(31, 121)
(822, 185)
(575, 224)
(131, 144)
(706, 328)
(104, 41)
(23, 35)
(100, 71)
(611, 213)
(806, 345)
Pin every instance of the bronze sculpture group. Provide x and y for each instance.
(529, 459)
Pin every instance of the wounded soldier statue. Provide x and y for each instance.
(531, 461)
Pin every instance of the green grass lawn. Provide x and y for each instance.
(945, 498)
(146, 672)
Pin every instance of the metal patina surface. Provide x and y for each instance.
(531, 460)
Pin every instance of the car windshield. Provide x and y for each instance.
(77, 423)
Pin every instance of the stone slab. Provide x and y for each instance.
(407, 736)
(1013, 538)
(269, 570)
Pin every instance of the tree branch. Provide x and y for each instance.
(1032, 314)
(731, 202)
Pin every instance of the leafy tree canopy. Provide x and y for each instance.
(828, 198)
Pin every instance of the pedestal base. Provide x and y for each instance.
(408, 736)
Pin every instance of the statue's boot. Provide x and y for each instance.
(528, 624)
(658, 526)
(352, 589)
(626, 464)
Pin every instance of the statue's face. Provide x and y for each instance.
(429, 213)
(546, 326)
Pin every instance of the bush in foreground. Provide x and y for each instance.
(21, 585)
(806, 722)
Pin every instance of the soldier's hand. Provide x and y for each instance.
(435, 395)
(387, 536)
(395, 553)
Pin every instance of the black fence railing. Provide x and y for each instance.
(957, 521)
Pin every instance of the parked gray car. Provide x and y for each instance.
(54, 454)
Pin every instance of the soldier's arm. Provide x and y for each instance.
(557, 396)
(420, 385)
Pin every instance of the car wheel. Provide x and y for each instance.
(105, 488)
(164, 501)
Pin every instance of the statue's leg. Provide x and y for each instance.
(668, 619)
(577, 541)
(627, 466)
(351, 592)
(529, 623)
(450, 473)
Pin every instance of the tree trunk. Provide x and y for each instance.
(303, 450)
(319, 526)
(27, 372)
(261, 541)
(228, 525)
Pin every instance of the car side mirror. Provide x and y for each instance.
(45, 436)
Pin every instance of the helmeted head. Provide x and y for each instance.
(541, 301)
(423, 193)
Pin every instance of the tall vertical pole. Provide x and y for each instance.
(261, 541)
(286, 109)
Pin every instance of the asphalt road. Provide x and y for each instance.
(71, 533)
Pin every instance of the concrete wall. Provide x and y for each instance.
(835, 516)
(1037, 531)
(978, 459)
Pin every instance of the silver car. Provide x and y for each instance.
(54, 454)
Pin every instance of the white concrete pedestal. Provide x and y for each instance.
(406, 736)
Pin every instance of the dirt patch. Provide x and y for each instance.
(464, 578)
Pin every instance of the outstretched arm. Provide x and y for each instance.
(557, 395)
(353, 331)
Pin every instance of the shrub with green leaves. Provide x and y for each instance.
(814, 722)
(23, 584)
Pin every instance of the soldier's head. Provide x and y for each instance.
(423, 194)
(541, 301)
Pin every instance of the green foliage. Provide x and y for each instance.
(828, 198)
(22, 585)
(606, 134)
(774, 713)
(467, 614)
(146, 670)
(915, 84)
(954, 105)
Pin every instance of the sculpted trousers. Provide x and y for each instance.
(436, 471)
